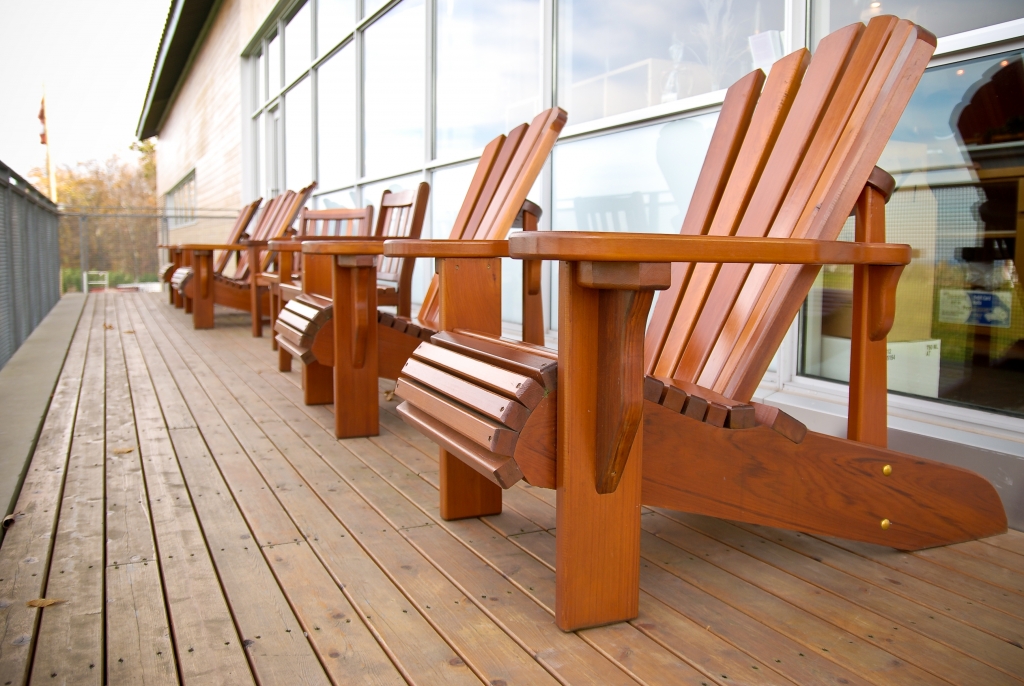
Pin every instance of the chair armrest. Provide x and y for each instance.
(356, 245)
(445, 248)
(210, 246)
(578, 246)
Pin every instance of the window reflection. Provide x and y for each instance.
(488, 70)
(336, 119)
(371, 6)
(393, 92)
(638, 180)
(941, 17)
(957, 155)
(334, 21)
(299, 135)
(617, 56)
(298, 44)
(345, 198)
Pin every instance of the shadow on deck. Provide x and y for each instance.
(199, 524)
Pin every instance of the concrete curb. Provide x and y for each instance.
(27, 382)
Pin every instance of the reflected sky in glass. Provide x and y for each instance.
(488, 71)
(299, 135)
(393, 92)
(639, 180)
(371, 6)
(345, 198)
(618, 55)
(941, 17)
(336, 119)
(334, 21)
(298, 44)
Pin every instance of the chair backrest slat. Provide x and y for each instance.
(241, 224)
(774, 103)
(798, 132)
(882, 103)
(505, 163)
(795, 171)
(401, 216)
(336, 222)
(733, 121)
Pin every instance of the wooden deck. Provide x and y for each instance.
(201, 525)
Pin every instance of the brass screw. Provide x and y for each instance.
(887, 469)
(886, 524)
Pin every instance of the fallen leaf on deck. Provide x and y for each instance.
(123, 451)
(108, 326)
(128, 331)
(10, 519)
(389, 395)
(45, 602)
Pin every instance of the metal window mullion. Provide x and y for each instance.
(430, 82)
(360, 109)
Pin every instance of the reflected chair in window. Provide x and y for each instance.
(204, 287)
(614, 420)
(167, 271)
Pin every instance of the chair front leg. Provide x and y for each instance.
(354, 291)
(602, 312)
(470, 291)
(254, 292)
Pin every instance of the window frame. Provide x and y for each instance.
(816, 395)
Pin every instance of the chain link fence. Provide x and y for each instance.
(29, 260)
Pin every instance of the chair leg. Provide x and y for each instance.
(201, 303)
(597, 568)
(464, 492)
(284, 360)
(317, 383)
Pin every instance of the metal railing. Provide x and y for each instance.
(29, 260)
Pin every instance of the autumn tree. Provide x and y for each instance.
(112, 195)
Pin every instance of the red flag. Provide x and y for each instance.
(42, 121)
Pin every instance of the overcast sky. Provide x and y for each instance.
(95, 58)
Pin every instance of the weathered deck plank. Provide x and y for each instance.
(265, 551)
(138, 634)
(69, 642)
(275, 645)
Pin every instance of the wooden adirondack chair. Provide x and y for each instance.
(304, 327)
(243, 290)
(286, 281)
(168, 270)
(785, 168)
(496, 199)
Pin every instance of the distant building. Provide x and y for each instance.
(249, 97)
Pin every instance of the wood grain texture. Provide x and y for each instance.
(510, 384)
(497, 407)
(591, 526)
(823, 485)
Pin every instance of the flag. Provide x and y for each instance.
(42, 121)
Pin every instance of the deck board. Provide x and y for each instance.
(204, 526)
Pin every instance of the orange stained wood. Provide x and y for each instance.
(579, 246)
(768, 192)
(241, 224)
(438, 248)
(470, 297)
(591, 526)
(733, 121)
(769, 116)
(904, 58)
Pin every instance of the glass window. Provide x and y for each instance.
(958, 159)
(298, 44)
(336, 119)
(298, 135)
(274, 66)
(261, 155)
(344, 198)
(488, 70)
(637, 180)
(273, 148)
(371, 6)
(393, 92)
(260, 79)
(941, 17)
(617, 55)
(334, 21)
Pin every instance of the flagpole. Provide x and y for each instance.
(49, 157)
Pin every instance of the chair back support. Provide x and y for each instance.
(335, 222)
(507, 169)
(401, 216)
(275, 223)
(788, 161)
(237, 231)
